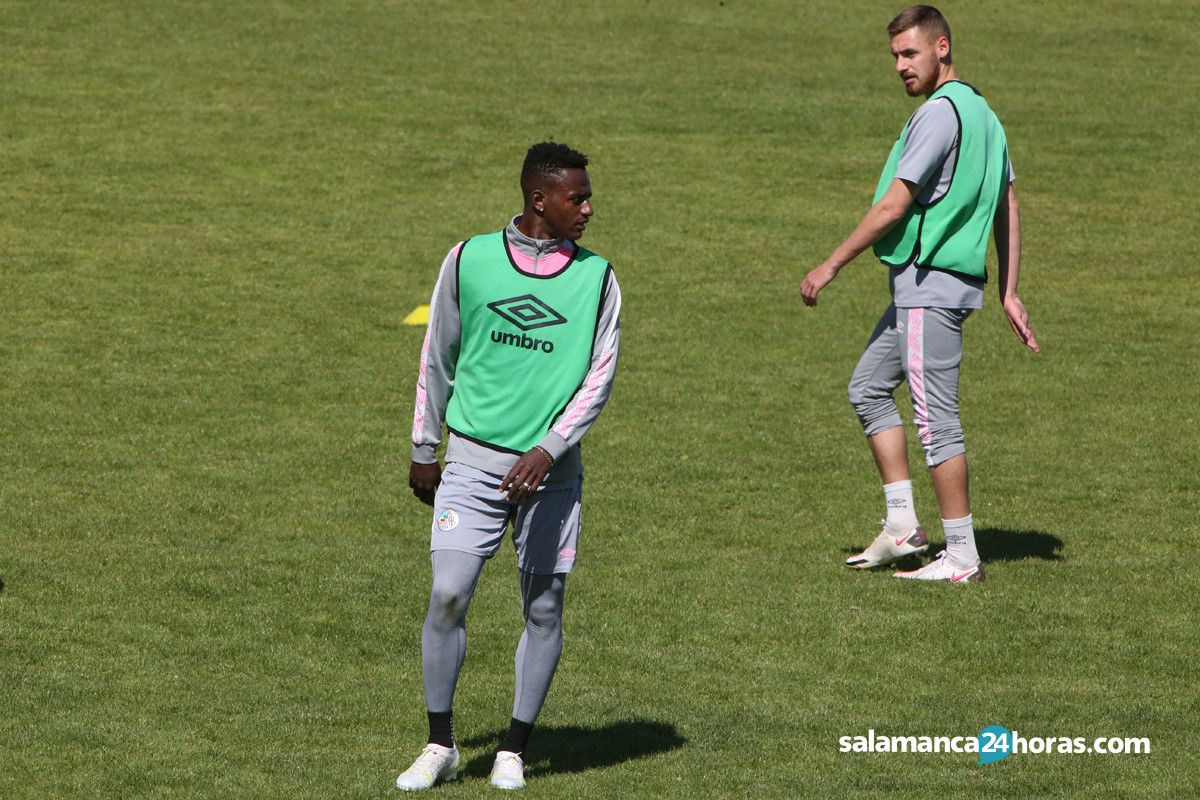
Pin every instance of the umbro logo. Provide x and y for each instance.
(527, 312)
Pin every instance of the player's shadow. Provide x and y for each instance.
(570, 748)
(999, 544)
(995, 544)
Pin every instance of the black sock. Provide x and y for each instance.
(441, 728)
(517, 736)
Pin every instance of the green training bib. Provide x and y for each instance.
(526, 342)
(951, 232)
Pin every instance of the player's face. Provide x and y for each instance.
(566, 206)
(918, 60)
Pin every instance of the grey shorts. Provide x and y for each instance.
(471, 515)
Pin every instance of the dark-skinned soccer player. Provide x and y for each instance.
(518, 362)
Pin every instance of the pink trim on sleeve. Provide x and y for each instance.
(600, 376)
(419, 411)
(422, 394)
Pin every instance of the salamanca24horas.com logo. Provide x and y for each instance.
(527, 313)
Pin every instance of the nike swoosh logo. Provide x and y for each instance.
(901, 540)
(961, 575)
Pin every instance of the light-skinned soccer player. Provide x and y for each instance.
(518, 361)
(947, 184)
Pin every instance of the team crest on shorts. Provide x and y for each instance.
(447, 520)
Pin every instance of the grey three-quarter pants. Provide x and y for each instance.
(924, 347)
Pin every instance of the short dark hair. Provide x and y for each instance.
(546, 160)
(927, 18)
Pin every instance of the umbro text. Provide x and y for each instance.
(523, 341)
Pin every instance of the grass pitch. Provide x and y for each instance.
(213, 217)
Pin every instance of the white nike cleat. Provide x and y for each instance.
(509, 771)
(892, 544)
(943, 569)
(436, 763)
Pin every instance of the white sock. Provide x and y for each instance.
(900, 510)
(960, 541)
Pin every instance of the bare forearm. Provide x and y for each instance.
(878, 220)
(1007, 231)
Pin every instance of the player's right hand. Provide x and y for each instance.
(423, 479)
(816, 280)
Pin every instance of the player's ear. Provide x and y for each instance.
(537, 201)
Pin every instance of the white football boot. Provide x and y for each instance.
(436, 763)
(943, 569)
(509, 771)
(892, 544)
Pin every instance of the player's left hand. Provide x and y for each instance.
(815, 281)
(1018, 318)
(526, 476)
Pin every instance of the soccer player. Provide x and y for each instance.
(947, 183)
(518, 361)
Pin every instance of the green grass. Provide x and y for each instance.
(213, 217)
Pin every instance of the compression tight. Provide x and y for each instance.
(444, 634)
(541, 641)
